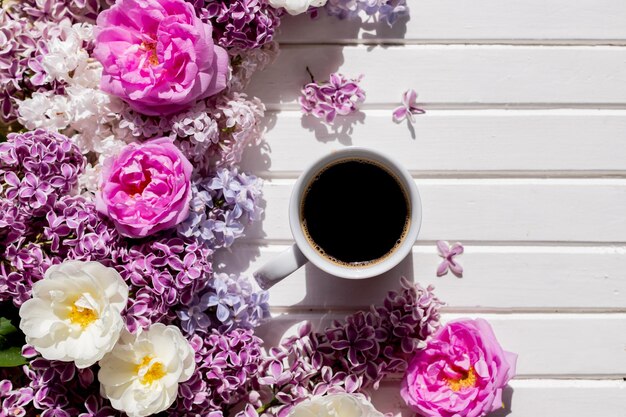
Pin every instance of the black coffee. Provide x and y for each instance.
(355, 212)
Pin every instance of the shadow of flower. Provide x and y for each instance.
(340, 130)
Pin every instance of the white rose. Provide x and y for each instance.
(336, 405)
(140, 376)
(75, 312)
(295, 7)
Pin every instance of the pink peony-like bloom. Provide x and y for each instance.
(460, 373)
(146, 188)
(158, 55)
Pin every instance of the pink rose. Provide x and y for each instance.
(146, 188)
(460, 373)
(158, 55)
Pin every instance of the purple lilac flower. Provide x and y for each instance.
(38, 167)
(226, 366)
(353, 355)
(386, 10)
(243, 24)
(163, 274)
(221, 206)
(12, 222)
(23, 264)
(228, 302)
(338, 96)
(408, 109)
(211, 134)
(58, 10)
(14, 400)
(23, 46)
(76, 230)
(72, 229)
(62, 390)
(448, 253)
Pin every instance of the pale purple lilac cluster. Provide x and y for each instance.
(228, 302)
(59, 10)
(242, 24)
(388, 11)
(24, 45)
(351, 355)
(339, 96)
(211, 134)
(221, 207)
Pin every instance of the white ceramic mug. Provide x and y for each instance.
(302, 251)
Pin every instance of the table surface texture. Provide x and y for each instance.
(521, 156)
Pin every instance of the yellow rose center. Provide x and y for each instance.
(467, 380)
(150, 48)
(155, 371)
(82, 316)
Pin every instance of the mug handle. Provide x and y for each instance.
(280, 267)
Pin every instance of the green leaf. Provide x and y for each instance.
(6, 327)
(11, 357)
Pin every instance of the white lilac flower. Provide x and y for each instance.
(44, 110)
(75, 312)
(333, 405)
(197, 125)
(294, 7)
(65, 55)
(140, 376)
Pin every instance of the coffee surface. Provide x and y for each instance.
(355, 212)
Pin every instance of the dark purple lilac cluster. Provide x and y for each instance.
(36, 169)
(242, 24)
(59, 389)
(163, 274)
(14, 401)
(351, 355)
(227, 364)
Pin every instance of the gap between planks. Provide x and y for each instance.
(466, 105)
(535, 311)
(456, 42)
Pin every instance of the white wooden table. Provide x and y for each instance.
(521, 156)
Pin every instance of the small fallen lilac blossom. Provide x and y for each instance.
(338, 96)
(409, 108)
(448, 253)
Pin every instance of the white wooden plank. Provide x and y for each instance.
(457, 141)
(526, 398)
(548, 210)
(496, 277)
(453, 20)
(485, 74)
(574, 345)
